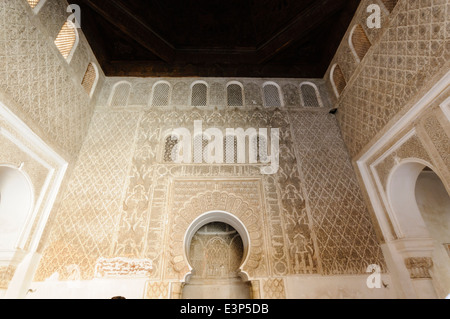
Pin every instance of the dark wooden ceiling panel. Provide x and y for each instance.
(234, 38)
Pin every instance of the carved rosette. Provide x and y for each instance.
(216, 201)
(419, 267)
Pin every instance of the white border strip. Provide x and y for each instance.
(58, 171)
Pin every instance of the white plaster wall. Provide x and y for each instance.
(92, 289)
(232, 289)
(337, 287)
(434, 204)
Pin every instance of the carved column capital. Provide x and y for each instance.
(419, 267)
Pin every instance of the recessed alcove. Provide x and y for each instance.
(16, 202)
(433, 201)
(216, 252)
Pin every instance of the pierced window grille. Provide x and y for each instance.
(360, 42)
(309, 94)
(230, 149)
(259, 147)
(262, 149)
(121, 94)
(170, 148)
(161, 94)
(89, 78)
(200, 144)
(339, 79)
(272, 96)
(65, 40)
(199, 94)
(33, 3)
(234, 95)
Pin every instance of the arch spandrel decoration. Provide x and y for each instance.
(216, 201)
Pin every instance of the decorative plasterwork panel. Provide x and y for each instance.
(420, 136)
(344, 231)
(274, 288)
(142, 229)
(219, 201)
(426, 141)
(124, 195)
(408, 54)
(120, 267)
(84, 226)
(180, 92)
(412, 147)
(6, 274)
(439, 137)
(157, 290)
(38, 80)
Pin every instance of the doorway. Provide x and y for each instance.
(433, 201)
(216, 252)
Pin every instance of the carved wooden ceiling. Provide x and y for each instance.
(217, 38)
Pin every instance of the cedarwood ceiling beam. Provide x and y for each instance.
(159, 69)
(129, 24)
(299, 28)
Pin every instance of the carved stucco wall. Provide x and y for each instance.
(124, 201)
(394, 109)
(43, 90)
(424, 140)
(35, 80)
(342, 224)
(428, 142)
(408, 55)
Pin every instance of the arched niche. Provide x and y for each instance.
(212, 217)
(337, 79)
(406, 216)
(67, 40)
(433, 200)
(90, 79)
(359, 42)
(210, 207)
(235, 96)
(16, 204)
(161, 94)
(215, 252)
(120, 94)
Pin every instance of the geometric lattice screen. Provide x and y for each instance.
(309, 95)
(271, 96)
(65, 39)
(161, 95)
(230, 149)
(170, 148)
(89, 78)
(199, 94)
(33, 3)
(339, 79)
(258, 146)
(121, 94)
(234, 95)
(200, 144)
(360, 42)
